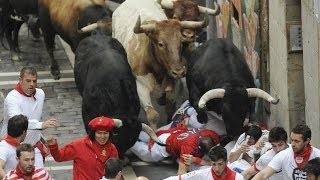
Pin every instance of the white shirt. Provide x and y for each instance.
(263, 161)
(15, 104)
(285, 160)
(8, 154)
(200, 175)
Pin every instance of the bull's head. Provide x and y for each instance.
(187, 10)
(166, 42)
(236, 103)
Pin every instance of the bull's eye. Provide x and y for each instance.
(160, 44)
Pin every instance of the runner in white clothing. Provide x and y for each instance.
(278, 138)
(28, 100)
(291, 160)
(242, 154)
(17, 130)
(219, 169)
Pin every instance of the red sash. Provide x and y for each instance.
(19, 89)
(10, 140)
(301, 158)
(227, 175)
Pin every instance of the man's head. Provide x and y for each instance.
(17, 126)
(300, 137)
(25, 158)
(218, 157)
(28, 80)
(255, 133)
(312, 167)
(113, 168)
(278, 138)
(205, 144)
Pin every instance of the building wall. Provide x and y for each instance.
(278, 63)
(286, 66)
(311, 65)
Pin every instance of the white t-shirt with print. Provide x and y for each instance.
(285, 160)
(263, 162)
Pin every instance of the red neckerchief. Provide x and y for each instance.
(227, 175)
(19, 89)
(97, 148)
(301, 158)
(20, 174)
(10, 140)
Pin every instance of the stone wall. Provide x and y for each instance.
(311, 66)
(286, 65)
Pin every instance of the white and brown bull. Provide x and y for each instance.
(153, 45)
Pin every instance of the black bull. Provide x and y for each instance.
(219, 66)
(104, 79)
(107, 85)
(13, 13)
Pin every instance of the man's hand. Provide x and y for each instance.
(244, 148)
(50, 123)
(51, 140)
(261, 142)
(188, 159)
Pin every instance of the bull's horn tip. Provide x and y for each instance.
(201, 105)
(275, 101)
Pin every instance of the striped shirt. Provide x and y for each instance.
(37, 174)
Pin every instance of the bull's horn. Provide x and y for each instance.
(255, 92)
(209, 11)
(17, 18)
(152, 134)
(213, 93)
(89, 28)
(195, 24)
(117, 122)
(138, 28)
(166, 4)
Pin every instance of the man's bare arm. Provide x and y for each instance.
(182, 168)
(249, 172)
(264, 174)
(2, 166)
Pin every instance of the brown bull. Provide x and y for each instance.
(65, 17)
(186, 10)
(154, 48)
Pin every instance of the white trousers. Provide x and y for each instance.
(156, 153)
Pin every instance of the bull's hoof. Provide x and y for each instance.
(16, 57)
(55, 74)
(202, 118)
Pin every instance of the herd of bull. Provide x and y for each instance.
(122, 58)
